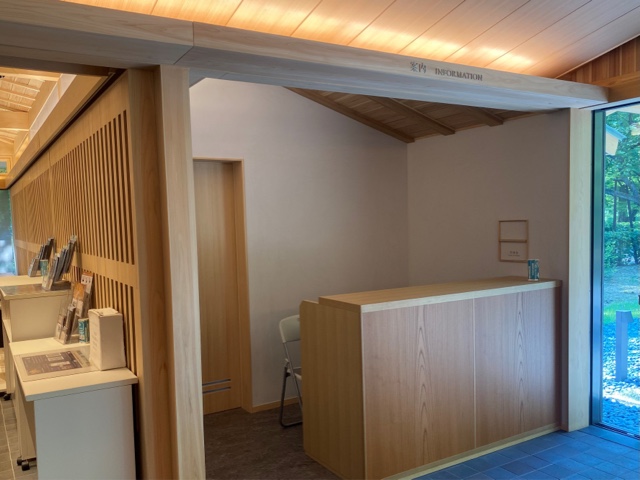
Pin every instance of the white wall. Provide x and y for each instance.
(326, 204)
(461, 185)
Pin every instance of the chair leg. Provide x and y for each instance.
(284, 388)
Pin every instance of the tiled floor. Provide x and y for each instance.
(578, 455)
(9, 450)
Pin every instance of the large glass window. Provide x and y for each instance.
(7, 263)
(616, 312)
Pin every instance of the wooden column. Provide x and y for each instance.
(180, 269)
(577, 354)
(155, 442)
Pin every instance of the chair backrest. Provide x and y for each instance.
(290, 329)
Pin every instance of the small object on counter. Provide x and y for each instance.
(534, 270)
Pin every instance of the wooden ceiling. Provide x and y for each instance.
(22, 95)
(545, 38)
(537, 37)
(408, 120)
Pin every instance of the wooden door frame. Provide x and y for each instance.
(243, 277)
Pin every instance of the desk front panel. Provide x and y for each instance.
(418, 385)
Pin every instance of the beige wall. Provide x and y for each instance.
(461, 185)
(325, 203)
(334, 207)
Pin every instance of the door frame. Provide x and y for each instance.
(244, 325)
(597, 249)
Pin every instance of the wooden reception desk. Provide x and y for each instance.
(402, 378)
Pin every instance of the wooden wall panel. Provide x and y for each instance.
(620, 61)
(332, 388)
(415, 413)
(517, 354)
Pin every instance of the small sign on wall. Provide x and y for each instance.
(513, 240)
(513, 252)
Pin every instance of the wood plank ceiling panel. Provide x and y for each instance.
(589, 46)
(567, 31)
(513, 30)
(337, 21)
(281, 18)
(137, 6)
(387, 116)
(462, 25)
(16, 92)
(402, 23)
(206, 11)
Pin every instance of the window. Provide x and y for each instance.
(7, 262)
(616, 269)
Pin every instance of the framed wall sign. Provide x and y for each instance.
(513, 230)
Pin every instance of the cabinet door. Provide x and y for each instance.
(418, 385)
(517, 363)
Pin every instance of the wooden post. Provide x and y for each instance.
(180, 269)
(623, 319)
(577, 339)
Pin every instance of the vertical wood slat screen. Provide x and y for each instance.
(82, 186)
(31, 215)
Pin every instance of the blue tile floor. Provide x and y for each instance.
(590, 453)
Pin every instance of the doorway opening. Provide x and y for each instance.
(616, 264)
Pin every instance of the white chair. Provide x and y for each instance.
(290, 333)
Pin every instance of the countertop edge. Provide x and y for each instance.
(520, 285)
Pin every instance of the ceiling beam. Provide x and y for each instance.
(41, 100)
(63, 32)
(29, 96)
(232, 54)
(80, 34)
(11, 81)
(9, 109)
(624, 88)
(22, 106)
(409, 112)
(381, 127)
(14, 120)
(484, 115)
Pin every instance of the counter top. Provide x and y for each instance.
(68, 384)
(379, 300)
(11, 292)
(10, 280)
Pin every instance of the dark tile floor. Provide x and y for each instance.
(239, 445)
(9, 448)
(591, 453)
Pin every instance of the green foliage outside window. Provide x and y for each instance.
(622, 194)
(7, 262)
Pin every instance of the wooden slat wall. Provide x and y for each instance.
(82, 186)
(85, 184)
(620, 61)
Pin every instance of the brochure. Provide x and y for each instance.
(53, 364)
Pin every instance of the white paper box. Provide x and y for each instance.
(106, 338)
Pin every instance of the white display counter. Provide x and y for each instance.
(28, 312)
(82, 423)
